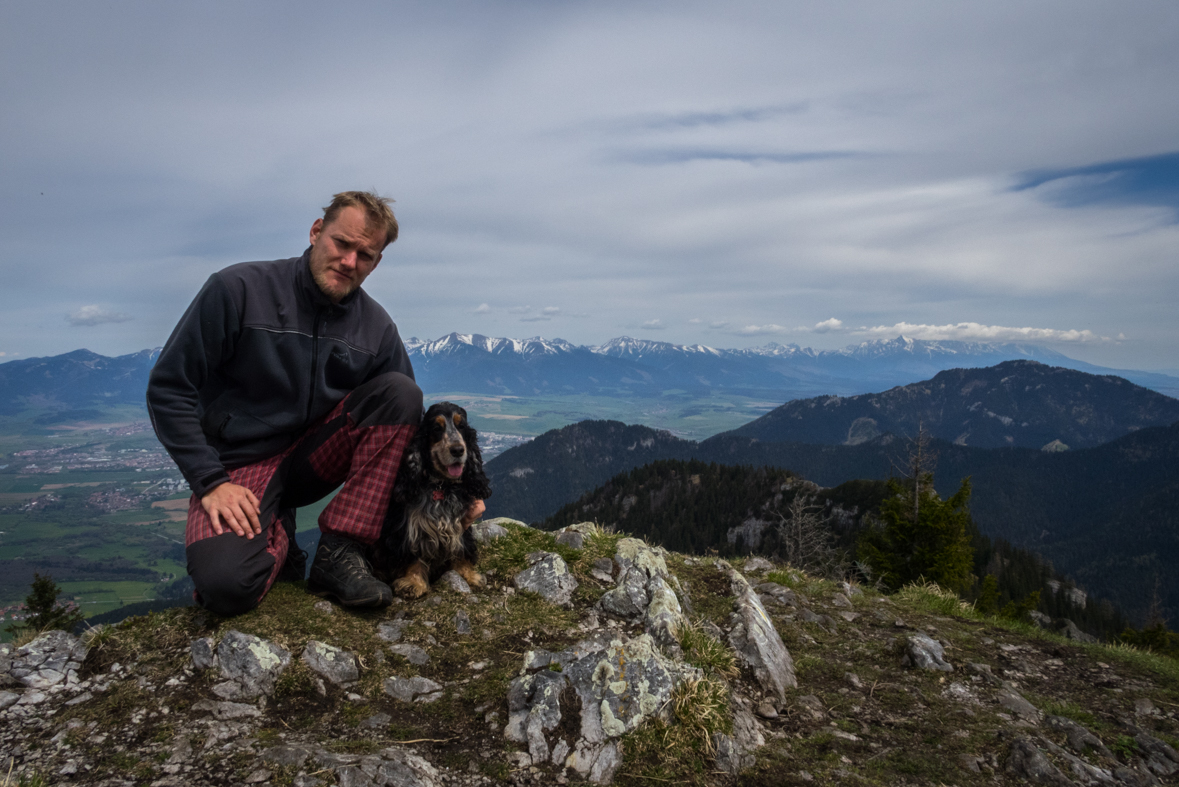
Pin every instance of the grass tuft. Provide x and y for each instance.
(705, 651)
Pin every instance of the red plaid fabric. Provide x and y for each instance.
(366, 460)
(255, 477)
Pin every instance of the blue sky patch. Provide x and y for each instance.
(1153, 180)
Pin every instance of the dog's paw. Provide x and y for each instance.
(472, 577)
(410, 587)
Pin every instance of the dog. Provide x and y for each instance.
(441, 475)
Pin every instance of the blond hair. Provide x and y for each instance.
(374, 206)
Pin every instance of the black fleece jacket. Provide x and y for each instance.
(259, 356)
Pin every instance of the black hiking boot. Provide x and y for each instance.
(341, 571)
(295, 568)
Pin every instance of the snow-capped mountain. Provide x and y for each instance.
(636, 367)
(624, 367)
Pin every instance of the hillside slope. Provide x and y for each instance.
(505, 687)
(1016, 403)
(1106, 516)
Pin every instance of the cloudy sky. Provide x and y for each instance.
(726, 173)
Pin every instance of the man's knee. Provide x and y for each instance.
(391, 398)
(229, 572)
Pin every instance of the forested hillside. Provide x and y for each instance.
(699, 508)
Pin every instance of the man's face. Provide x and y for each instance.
(344, 252)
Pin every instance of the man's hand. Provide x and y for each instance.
(234, 507)
(474, 512)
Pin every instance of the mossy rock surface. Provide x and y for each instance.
(856, 714)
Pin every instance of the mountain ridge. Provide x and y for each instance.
(623, 366)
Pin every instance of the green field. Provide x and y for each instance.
(690, 417)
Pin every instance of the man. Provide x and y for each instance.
(282, 381)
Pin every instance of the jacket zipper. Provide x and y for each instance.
(314, 365)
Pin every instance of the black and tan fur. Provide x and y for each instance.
(424, 535)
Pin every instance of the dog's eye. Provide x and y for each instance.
(458, 420)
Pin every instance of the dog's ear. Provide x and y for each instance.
(474, 479)
(409, 475)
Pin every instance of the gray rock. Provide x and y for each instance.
(778, 593)
(841, 600)
(757, 642)
(324, 606)
(924, 652)
(452, 580)
(1079, 738)
(570, 538)
(32, 697)
(44, 663)
(629, 598)
(537, 659)
(227, 710)
(549, 577)
(1012, 701)
(1040, 619)
(411, 653)
(603, 570)
(608, 685)
(758, 564)
(491, 529)
(390, 630)
(1144, 707)
(8, 699)
(377, 721)
(337, 665)
(664, 615)
(735, 752)
(409, 689)
(251, 662)
(203, 655)
(1083, 771)
(822, 621)
(1028, 761)
(1160, 758)
(1070, 631)
(534, 710)
(462, 623)
(606, 764)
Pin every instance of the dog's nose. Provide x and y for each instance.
(457, 450)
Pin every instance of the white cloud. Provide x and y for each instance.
(973, 331)
(718, 325)
(95, 315)
(654, 325)
(763, 330)
(551, 310)
(483, 308)
(827, 326)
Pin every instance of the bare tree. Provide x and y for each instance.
(918, 465)
(805, 538)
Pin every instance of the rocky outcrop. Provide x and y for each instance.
(600, 689)
(549, 577)
(494, 685)
(757, 642)
(250, 666)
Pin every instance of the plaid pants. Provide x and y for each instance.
(358, 444)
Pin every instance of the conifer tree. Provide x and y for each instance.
(45, 611)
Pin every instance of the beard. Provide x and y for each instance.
(331, 286)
